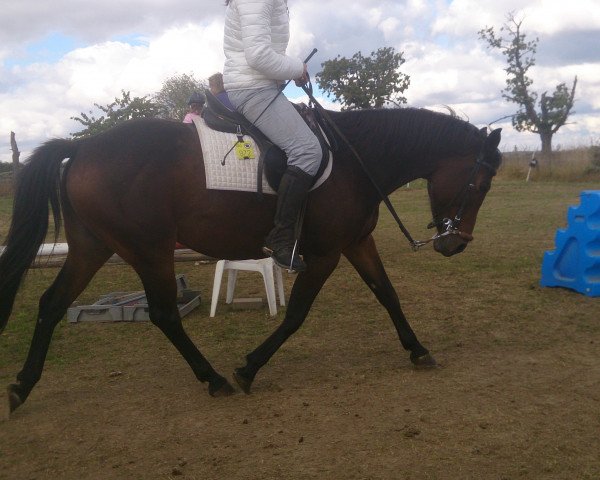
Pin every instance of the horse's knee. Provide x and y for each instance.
(291, 325)
(50, 311)
(48, 321)
(164, 318)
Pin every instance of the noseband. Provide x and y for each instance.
(451, 226)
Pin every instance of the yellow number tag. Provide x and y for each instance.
(244, 150)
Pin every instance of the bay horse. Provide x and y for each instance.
(138, 188)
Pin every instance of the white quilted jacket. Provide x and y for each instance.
(256, 37)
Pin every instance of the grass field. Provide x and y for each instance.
(518, 394)
(500, 270)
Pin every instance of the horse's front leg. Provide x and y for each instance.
(364, 256)
(305, 290)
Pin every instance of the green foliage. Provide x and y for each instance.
(520, 57)
(6, 167)
(576, 165)
(174, 95)
(124, 108)
(595, 159)
(365, 82)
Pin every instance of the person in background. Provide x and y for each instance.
(216, 87)
(256, 36)
(196, 105)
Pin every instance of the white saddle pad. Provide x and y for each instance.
(236, 174)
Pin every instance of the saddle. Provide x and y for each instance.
(272, 159)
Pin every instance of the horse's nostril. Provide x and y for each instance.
(449, 246)
(460, 248)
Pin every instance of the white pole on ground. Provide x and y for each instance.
(53, 255)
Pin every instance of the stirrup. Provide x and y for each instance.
(287, 265)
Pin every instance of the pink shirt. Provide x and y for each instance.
(189, 117)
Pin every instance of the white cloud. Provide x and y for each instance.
(29, 20)
(540, 17)
(48, 95)
(105, 50)
(389, 27)
(551, 16)
(440, 73)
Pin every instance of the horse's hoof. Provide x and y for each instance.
(225, 390)
(242, 381)
(424, 361)
(14, 401)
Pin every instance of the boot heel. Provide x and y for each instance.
(280, 243)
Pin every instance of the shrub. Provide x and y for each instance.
(594, 159)
(575, 165)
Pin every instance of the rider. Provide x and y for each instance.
(256, 65)
(216, 87)
(196, 105)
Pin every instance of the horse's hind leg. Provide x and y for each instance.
(79, 268)
(306, 288)
(159, 283)
(365, 259)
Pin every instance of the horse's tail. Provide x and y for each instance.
(38, 183)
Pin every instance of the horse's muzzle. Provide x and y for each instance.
(452, 244)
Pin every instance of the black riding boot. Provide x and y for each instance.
(279, 243)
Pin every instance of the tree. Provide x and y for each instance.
(124, 108)
(175, 93)
(365, 82)
(520, 56)
(16, 154)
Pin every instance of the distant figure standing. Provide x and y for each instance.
(196, 105)
(216, 87)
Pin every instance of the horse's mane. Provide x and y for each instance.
(407, 131)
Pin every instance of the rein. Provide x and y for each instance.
(384, 198)
(451, 226)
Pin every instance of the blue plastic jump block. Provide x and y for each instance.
(575, 263)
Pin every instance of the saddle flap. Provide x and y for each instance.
(274, 161)
(238, 174)
(220, 118)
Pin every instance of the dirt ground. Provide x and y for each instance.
(339, 401)
(516, 396)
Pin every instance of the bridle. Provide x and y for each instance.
(451, 226)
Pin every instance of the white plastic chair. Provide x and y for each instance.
(264, 266)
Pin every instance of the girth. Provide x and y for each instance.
(272, 159)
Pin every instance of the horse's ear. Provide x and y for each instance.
(493, 140)
(483, 131)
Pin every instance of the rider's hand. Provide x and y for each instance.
(303, 79)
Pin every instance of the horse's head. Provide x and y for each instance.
(457, 190)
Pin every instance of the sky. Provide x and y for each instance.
(59, 58)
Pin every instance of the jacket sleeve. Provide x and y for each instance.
(255, 20)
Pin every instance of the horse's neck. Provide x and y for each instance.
(388, 146)
(393, 171)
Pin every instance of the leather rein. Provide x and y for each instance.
(449, 226)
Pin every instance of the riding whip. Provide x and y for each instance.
(306, 60)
